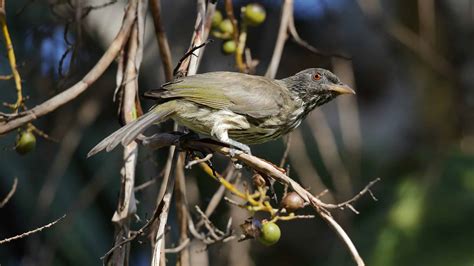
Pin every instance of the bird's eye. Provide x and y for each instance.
(317, 76)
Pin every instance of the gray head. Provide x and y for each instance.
(316, 86)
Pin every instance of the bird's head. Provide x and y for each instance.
(316, 86)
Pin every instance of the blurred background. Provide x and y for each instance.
(411, 124)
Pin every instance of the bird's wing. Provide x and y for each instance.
(255, 96)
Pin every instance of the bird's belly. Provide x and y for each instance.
(204, 120)
(199, 120)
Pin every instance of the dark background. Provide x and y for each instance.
(413, 69)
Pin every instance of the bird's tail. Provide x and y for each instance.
(130, 131)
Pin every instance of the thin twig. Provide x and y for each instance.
(342, 235)
(286, 14)
(229, 9)
(180, 247)
(297, 39)
(182, 209)
(6, 240)
(326, 142)
(348, 111)
(286, 152)
(144, 185)
(188, 54)
(10, 193)
(162, 220)
(11, 59)
(147, 225)
(197, 161)
(165, 53)
(301, 163)
(360, 194)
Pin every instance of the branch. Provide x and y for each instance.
(182, 210)
(348, 111)
(265, 168)
(343, 236)
(298, 40)
(178, 70)
(163, 45)
(129, 110)
(162, 219)
(326, 142)
(287, 27)
(286, 14)
(166, 185)
(11, 59)
(269, 170)
(10, 193)
(180, 247)
(202, 27)
(11, 123)
(319, 206)
(6, 240)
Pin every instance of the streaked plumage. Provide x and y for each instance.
(234, 108)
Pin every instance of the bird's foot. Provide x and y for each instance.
(240, 148)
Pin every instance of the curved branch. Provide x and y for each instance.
(266, 168)
(272, 171)
(71, 93)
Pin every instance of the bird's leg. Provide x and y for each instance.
(223, 136)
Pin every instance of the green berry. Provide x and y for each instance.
(229, 47)
(254, 14)
(25, 143)
(216, 19)
(226, 26)
(269, 234)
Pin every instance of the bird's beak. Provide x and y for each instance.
(341, 89)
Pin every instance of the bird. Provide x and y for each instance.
(234, 108)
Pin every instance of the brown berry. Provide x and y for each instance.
(292, 201)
